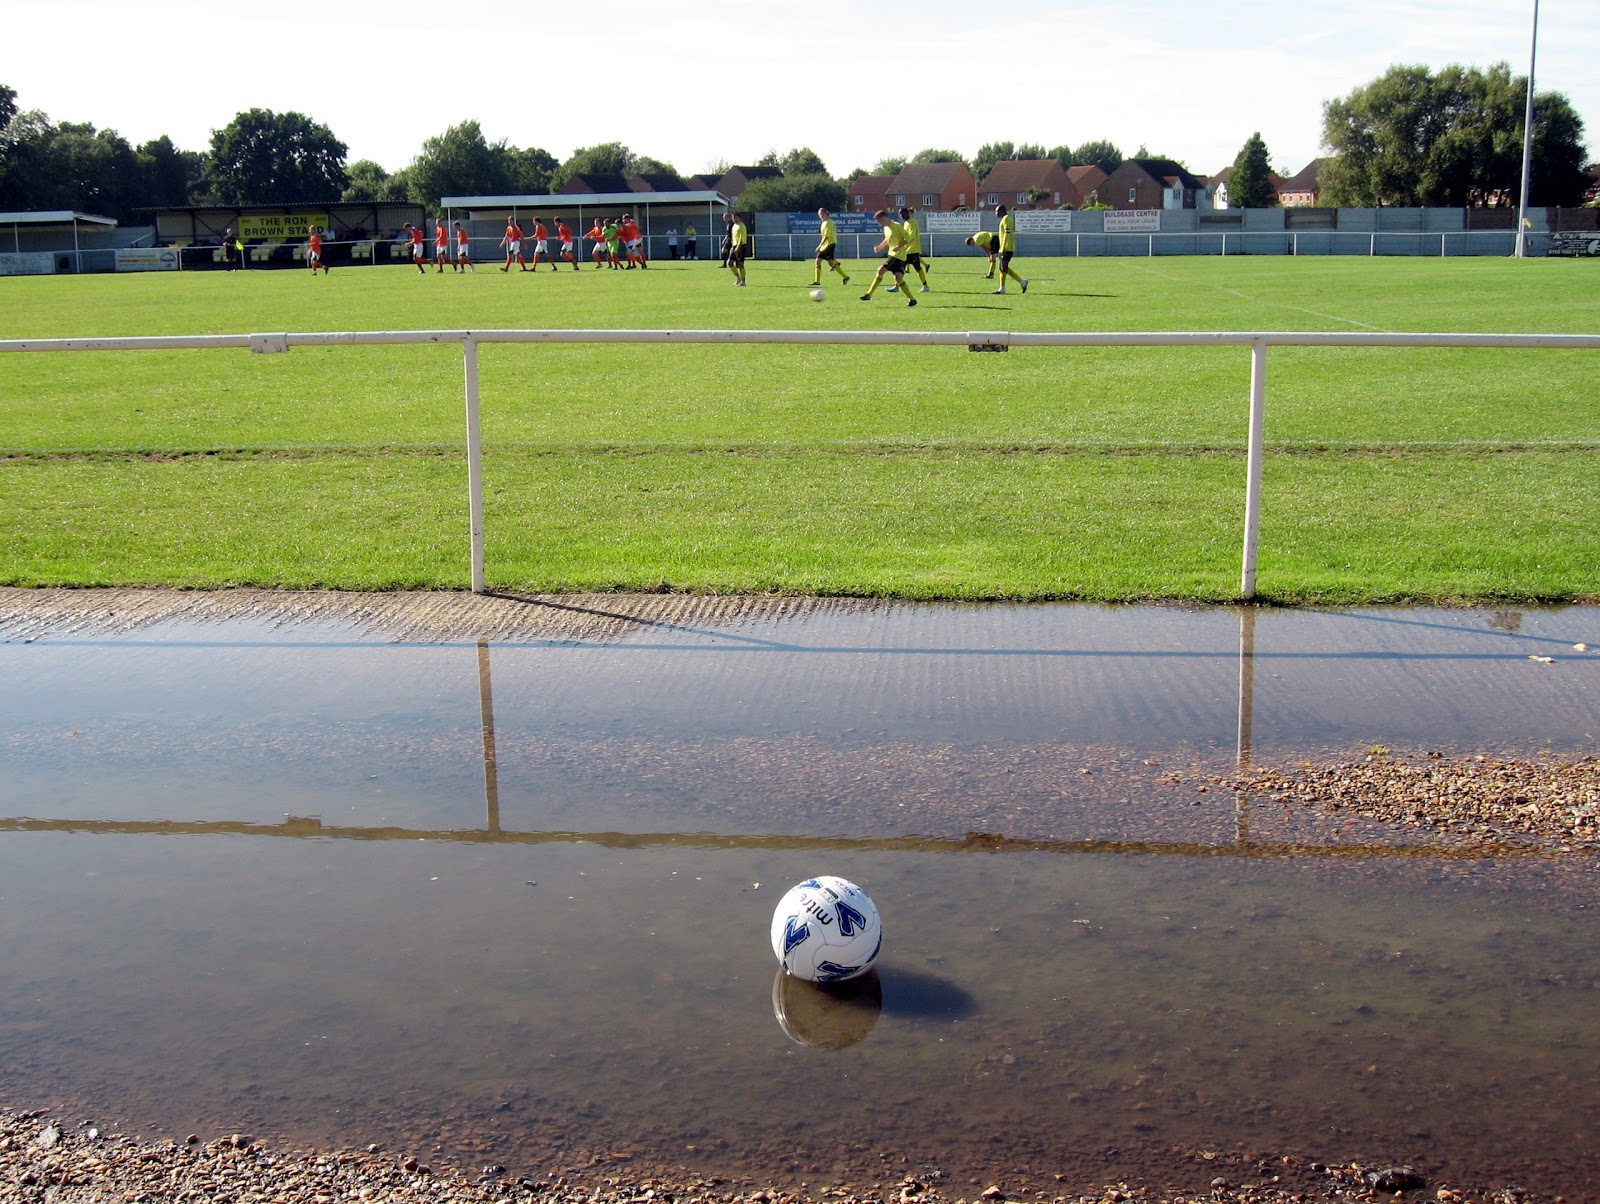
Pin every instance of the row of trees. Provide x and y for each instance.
(1411, 137)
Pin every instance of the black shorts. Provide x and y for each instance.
(896, 266)
(1005, 260)
(738, 254)
(826, 252)
(913, 261)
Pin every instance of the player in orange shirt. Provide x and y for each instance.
(441, 245)
(314, 250)
(512, 242)
(564, 234)
(633, 241)
(419, 253)
(463, 250)
(599, 238)
(541, 245)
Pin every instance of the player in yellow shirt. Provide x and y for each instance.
(1008, 245)
(984, 240)
(826, 242)
(908, 219)
(894, 242)
(738, 247)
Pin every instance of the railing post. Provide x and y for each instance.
(469, 349)
(1252, 489)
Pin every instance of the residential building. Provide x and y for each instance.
(1017, 182)
(937, 187)
(868, 194)
(1154, 184)
(1301, 188)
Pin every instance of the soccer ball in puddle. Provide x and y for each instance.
(826, 930)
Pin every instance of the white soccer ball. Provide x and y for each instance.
(817, 294)
(826, 930)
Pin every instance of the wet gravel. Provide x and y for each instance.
(1553, 802)
(46, 1159)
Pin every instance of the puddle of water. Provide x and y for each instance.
(513, 900)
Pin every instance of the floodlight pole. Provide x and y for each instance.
(1527, 143)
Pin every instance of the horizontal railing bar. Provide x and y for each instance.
(911, 338)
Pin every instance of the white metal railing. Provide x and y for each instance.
(972, 340)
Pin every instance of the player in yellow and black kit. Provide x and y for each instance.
(826, 242)
(908, 220)
(738, 247)
(1008, 247)
(984, 240)
(894, 242)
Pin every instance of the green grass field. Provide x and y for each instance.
(1101, 473)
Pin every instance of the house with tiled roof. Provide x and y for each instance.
(1300, 189)
(1016, 182)
(1219, 186)
(868, 194)
(657, 181)
(1086, 180)
(596, 181)
(939, 187)
(1154, 184)
(735, 180)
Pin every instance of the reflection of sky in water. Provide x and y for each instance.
(621, 990)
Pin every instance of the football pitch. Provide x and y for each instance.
(1115, 473)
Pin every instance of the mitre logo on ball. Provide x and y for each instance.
(826, 930)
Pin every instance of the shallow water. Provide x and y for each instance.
(511, 900)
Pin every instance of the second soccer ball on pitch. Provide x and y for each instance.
(817, 294)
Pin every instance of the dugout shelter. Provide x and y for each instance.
(50, 241)
(273, 236)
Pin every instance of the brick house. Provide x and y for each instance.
(868, 194)
(1300, 189)
(1013, 182)
(939, 187)
(735, 180)
(1086, 180)
(1154, 184)
(657, 181)
(596, 182)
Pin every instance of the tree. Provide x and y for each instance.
(891, 166)
(934, 155)
(371, 183)
(531, 169)
(264, 157)
(1411, 137)
(802, 161)
(793, 194)
(1250, 182)
(988, 155)
(169, 176)
(1030, 150)
(1104, 155)
(460, 162)
(69, 166)
(608, 158)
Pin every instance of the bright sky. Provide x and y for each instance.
(855, 82)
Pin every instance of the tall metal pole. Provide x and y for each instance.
(1527, 143)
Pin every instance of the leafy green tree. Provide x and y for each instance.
(371, 183)
(170, 176)
(988, 155)
(69, 166)
(460, 162)
(1107, 156)
(802, 161)
(793, 194)
(1411, 137)
(935, 155)
(264, 157)
(1250, 182)
(1030, 150)
(530, 170)
(644, 163)
(608, 158)
(770, 159)
(891, 166)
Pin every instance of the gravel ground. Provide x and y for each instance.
(49, 1160)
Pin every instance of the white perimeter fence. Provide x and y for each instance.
(970, 340)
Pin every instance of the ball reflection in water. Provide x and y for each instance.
(827, 1017)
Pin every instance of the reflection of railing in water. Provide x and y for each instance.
(298, 827)
(302, 828)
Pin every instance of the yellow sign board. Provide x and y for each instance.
(280, 227)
